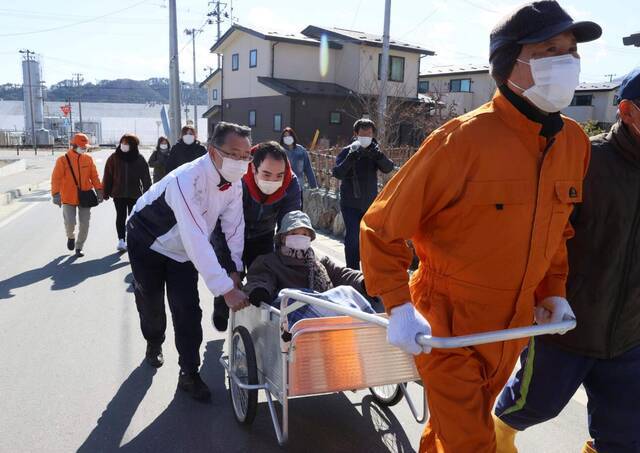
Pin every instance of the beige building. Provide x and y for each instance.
(595, 102)
(270, 80)
(461, 88)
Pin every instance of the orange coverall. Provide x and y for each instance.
(487, 209)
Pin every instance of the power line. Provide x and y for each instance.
(92, 19)
(435, 10)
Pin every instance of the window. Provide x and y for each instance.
(460, 86)
(253, 58)
(423, 86)
(396, 68)
(582, 100)
(335, 118)
(235, 62)
(252, 118)
(214, 95)
(277, 122)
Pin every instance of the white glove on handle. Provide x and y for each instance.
(404, 324)
(552, 310)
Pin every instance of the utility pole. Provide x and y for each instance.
(174, 75)
(33, 121)
(611, 76)
(192, 32)
(384, 70)
(78, 80)
(219, 18)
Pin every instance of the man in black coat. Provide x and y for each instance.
(187, 149)
(357, 167)
(603, 352)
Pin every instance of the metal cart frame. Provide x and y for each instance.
(325, 355)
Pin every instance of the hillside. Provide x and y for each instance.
(154, 90)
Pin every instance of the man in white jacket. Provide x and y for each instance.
(169, 245)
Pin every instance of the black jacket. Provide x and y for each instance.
(181, 153)
(358, 171)
(604, 263)
(158, 161)
(126, 175)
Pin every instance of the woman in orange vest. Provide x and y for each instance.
(486, 202)
(75, 171)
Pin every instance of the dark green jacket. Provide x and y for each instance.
(604, 256)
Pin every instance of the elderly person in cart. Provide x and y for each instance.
(486, 201)
(294, 265)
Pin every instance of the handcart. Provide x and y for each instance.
(317, 356)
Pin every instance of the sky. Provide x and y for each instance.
(129, 38)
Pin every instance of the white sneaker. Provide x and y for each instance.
(122, 246)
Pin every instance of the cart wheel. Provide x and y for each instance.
(244, 366)
(387, 395)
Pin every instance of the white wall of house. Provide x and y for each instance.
(347, 64)
(302, 62)
(601, 110)
(482, 90)
(243, 83)
(214, 84)
(368, 79)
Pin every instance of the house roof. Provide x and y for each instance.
(209, 77)
(293, 87)
(457, 69)
(271, 35)
(632, 40)
(600, 86)
(212, 111)
(343, 35)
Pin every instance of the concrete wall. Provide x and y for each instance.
(482, 90)
(243, 83)
(115, 118)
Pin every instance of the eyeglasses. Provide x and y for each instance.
(223, 153)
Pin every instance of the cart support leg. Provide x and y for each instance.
(412, 407)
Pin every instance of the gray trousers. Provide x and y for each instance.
(69, 215)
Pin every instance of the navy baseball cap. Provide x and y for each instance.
(630, 87)
(536, 22)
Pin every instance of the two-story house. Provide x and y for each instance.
(270, 80)
(460, 88)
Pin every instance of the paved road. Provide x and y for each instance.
(72, 376)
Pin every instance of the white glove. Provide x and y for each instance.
(404, 324)
(552, 310)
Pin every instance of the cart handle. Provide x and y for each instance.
(438, 342)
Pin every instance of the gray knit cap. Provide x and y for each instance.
(296, 219)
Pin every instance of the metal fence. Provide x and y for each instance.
(323, 162)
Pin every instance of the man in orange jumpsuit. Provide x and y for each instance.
(486, 201)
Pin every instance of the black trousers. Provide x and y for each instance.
(253, 248)
(152, 272)
(124, 206)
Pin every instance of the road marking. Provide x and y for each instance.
(17, 214)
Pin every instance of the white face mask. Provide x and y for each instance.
(268, 187)
(288, 140)
(81, 150)
(554, 82)
(188, 139)
(233, 170)
(164, 146)
(365, 141)
(124, 147)
(297, 241)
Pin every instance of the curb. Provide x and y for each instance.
(10, 196)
